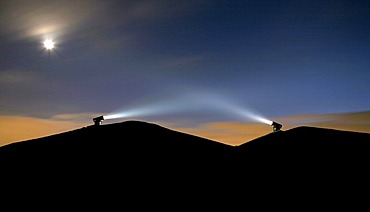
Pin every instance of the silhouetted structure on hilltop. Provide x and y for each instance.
(304, 165)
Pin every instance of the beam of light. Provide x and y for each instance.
(253, 116)
(151, 109)
(49, 44)
(244, 112)
(263, 120)
(199, 102)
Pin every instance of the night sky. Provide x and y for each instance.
(193, 62)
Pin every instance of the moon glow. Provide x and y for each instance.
(49, 44)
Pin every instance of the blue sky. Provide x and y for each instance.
(276, 58)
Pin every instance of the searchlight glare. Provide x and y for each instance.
(197, 102)
(276, 126)
(98, 120)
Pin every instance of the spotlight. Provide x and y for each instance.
(98, 120)
(276, 126)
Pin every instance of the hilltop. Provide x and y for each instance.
(304, 165)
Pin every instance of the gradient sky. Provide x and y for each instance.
(279, 59)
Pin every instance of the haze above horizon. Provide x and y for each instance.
(297, 62)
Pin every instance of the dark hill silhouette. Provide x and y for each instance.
(321, 165)
(304, 166)
(130, 143)
(307, 144)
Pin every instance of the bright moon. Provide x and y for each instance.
(49, 44)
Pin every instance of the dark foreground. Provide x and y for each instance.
(145, 166)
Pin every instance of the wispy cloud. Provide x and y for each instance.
(356, 121)
(16, 77)
(91, 22)
(24, 18)
(182, 60)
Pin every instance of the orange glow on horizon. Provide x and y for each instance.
(18, 128)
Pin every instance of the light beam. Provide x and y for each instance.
(199, 102)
